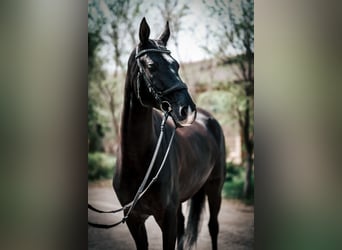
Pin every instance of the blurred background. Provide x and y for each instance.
(214, 43)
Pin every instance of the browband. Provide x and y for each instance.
(140, 53)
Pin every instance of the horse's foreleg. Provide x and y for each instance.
(136, 226)
(168, 225)
(180, 228)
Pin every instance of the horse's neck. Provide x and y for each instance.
(137, 132)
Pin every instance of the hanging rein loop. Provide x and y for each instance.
(142, 190)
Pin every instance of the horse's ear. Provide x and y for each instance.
(144, 31)
(164, 37)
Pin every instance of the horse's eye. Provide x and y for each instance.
(152, 67)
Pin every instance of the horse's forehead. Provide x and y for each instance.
(159, 57)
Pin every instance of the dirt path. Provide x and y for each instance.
(236, 225)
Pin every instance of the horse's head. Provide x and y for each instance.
(158, 83)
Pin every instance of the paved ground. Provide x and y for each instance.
(236, 225)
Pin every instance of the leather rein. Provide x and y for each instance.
(166, 108)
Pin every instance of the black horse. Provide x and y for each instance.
(195, 166)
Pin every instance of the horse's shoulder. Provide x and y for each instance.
(210, 124)
(203, 117)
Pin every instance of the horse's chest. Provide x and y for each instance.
(154, 199)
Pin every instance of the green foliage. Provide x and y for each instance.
(233, 186)
(111, 28)
(95, 128)
(234, 183)
(100, 166)
(226, 104)
(215, 101)
(234, 25)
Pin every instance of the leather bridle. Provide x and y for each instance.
(164, 105)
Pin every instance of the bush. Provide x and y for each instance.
(100, 166)
(235, 177)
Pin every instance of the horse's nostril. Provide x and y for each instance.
(186, 115)
(183, 111)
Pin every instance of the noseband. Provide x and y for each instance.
(157, 95)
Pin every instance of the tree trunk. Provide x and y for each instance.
(247, 191)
